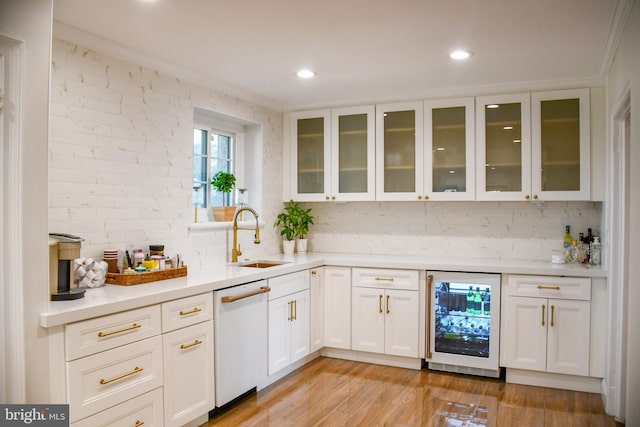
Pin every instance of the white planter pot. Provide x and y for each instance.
(301, 246)
(288, 246)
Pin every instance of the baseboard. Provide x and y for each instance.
(375, 358)
(560, 381)
(289, 369)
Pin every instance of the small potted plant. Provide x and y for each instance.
(287, 221)
(223, 182)
(302, 228)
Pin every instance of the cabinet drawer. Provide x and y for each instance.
(288, 284)
(578, 288)
(385, 278)
(100, 381)
(187, 311)
(144, 410)
(107, 332)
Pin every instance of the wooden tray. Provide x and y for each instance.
(149, 276)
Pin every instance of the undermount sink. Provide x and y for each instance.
(261, 264)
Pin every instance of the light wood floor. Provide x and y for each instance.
(332, 392)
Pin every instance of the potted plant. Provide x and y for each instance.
(287, 221)
(302, 228)
(223, 182)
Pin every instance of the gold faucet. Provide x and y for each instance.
(235, 252)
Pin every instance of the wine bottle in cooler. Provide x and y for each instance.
(487, 302)
(477, 301)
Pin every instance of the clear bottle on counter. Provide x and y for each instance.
(596, 251)
(572, 252)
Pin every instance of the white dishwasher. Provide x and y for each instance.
(240, 321)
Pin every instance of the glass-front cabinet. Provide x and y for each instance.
(399, 151)
(311, 155)
(353, 153)
(449, 144)
(503, 137)
(560, 145)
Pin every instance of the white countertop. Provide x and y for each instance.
(114, 298)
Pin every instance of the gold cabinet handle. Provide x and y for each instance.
(138, 423)
(527, 197)
(535, 197)
(552, 308)
(326, 197)
(313, 272)
(290, 304)
(379, 303)
(555, 288)
(419, 197)
(295, 309)
(386, 279)
(128, 328)
(333, 197)
(388, 305)
(542, 314)
(186, 346)
(133, 371)
(426, 197)
(429, 285)
(262, 290)
(195, 310)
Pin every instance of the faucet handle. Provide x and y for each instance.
(239, 251)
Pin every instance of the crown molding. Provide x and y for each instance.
(120, 51)
(617, 26)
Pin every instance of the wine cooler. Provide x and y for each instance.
(463, 322)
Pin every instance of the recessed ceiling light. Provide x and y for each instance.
(507, 127)
(493, 106)
(305, 74)
(517, 141)
(452, 171)
(459, 54)
(440, 149)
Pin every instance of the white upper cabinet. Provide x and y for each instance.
(449, 149)
(399, 151)
(353, 154)
(503, 157)
(560, 145)
(310, 155)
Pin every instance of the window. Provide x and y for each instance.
(213, 151)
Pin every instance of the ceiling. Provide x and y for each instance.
(363, 51)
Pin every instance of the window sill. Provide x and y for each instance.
(223, 225)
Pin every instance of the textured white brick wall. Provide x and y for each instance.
(120, 174)
(504, 230)
(120, 157)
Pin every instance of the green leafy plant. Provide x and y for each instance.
(223, 181)
(304, 220)
(294, 221)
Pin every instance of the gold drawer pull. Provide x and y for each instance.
(552, 308)
(134, 371)
(555, 288)
(128, 328)
(379, 303)
(186, 346)
(388, 305)
(387, 279)
(542, 314)
(138, 423)
(195, 310)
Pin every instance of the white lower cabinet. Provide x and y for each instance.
(385, 320)
(547, 334)
(188, 373)
(151, 366)
(144, 410)
(316, 312)
(288, 315)
(337, 307)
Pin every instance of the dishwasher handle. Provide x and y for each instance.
(262, 290)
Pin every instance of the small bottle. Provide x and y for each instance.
(477, 301)
(487, 302)
(567, 237)
(596, 251)
(470, 301)
(138, 257)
